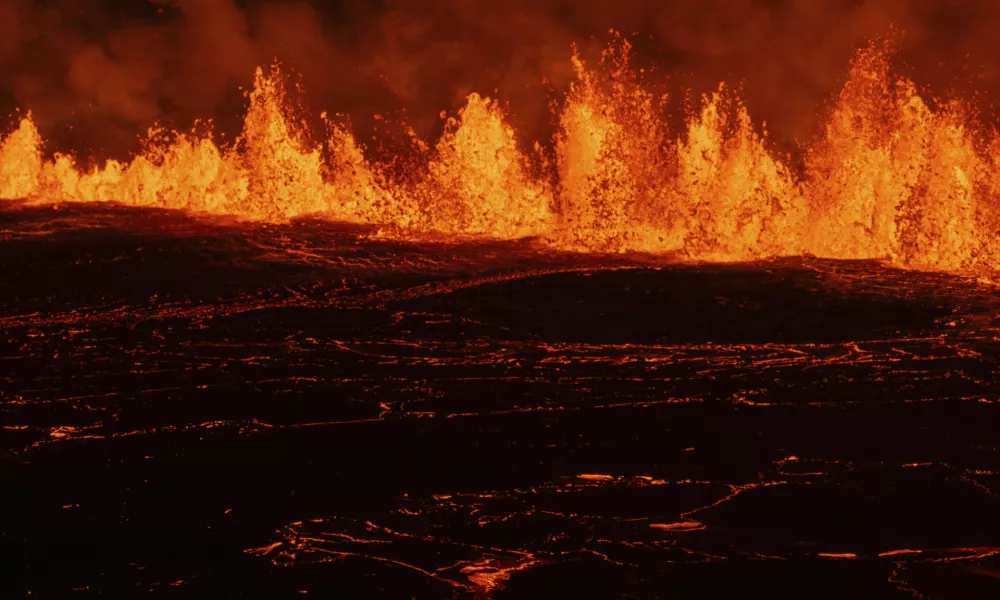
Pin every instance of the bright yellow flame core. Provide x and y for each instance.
(890, 177)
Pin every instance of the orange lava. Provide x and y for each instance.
(892, 176)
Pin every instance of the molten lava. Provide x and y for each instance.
(890, 177)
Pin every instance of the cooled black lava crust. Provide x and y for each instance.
(196, 408)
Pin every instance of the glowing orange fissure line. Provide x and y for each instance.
(890, 177)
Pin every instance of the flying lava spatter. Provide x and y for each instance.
(890, 176)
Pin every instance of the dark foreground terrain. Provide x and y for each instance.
(196, 409)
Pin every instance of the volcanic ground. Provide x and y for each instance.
(193, 407)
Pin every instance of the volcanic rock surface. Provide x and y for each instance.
(195, 407)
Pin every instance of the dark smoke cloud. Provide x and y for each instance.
(96, 73)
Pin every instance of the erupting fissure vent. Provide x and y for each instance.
(889, 177)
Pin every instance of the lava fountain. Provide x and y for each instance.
(892, 176)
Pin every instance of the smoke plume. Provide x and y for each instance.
(97, 73)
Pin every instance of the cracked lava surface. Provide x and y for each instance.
(194, 407)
